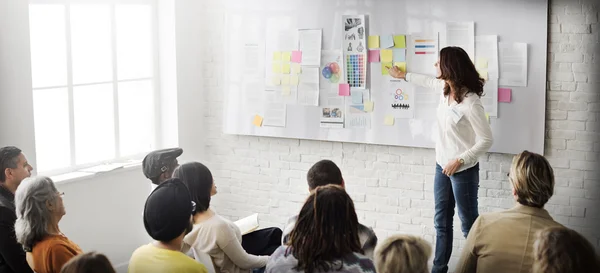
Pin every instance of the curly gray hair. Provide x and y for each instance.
(33, 215)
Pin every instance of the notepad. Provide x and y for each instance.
(248, 224)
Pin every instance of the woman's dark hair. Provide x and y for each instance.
(90, 262)
(459, 72)
(326, 230)
(199, 181)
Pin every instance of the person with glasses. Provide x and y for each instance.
(167, 219)
(39, 208)
(14, 168)
(504, 241)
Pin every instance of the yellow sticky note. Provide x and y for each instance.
(286, 56)
(401, 65)
(368, 106)
(386, 55)
(276, 56)
(276, 80)
(487, 116)
(373, 41)
(400, 41)
(294, 79)
(285, 68)
(257, 121)
(481, 63)
(276, 67)
(285, 80)
(389, 120)
(286, 90)
(384, 68)
(296, 68)
(483, 74)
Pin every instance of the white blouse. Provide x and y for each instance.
(459, 124)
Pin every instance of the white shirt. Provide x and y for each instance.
(459, 124)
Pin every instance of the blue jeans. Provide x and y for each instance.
(460, 189)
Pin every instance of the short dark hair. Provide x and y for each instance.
(90, 262)
(324, 172)
(9, 158)
(199, 181)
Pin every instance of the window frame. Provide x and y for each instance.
(154, 79)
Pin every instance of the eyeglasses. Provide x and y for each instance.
(193, 207)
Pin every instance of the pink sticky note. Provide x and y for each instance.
(504, 94)
(344, 89)
(296, 56)
(373, 56)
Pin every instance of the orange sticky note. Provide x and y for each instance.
(257, 121)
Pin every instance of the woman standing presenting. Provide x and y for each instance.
(463, 135)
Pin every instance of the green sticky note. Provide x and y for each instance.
(400, 41)
(384, 68)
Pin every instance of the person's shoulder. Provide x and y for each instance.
(187, 264)
(359, 263)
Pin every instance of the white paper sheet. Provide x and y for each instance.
(308, 88)
(486, 47)
(399, 99)
(490, 98)
(486, 60)
(275, 114)
(251, 57)
(310, 45)
(423, 53)
(356, 117)
(513, 64)
(461, 34)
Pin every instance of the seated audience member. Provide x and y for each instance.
(213, 234)
(13, 169)
(39, 209)
(322, 173)
(90, 262)
(503, 241)
(167, 219)
(325, 237)
(159, 165)
(402, 254)
(562, 250)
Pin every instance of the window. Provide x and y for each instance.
(94, 81)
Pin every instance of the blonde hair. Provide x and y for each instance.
(532, 179)
(562, 250)
(402, 254)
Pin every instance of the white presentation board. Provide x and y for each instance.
(249, 89)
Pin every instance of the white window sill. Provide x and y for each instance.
(95, 171)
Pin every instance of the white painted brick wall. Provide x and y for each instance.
(393, 186)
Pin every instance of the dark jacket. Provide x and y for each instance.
(12, 256)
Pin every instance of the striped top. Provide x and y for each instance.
(282, 260)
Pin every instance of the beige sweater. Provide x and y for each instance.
(222, 240)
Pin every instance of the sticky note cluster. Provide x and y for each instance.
(386, 41)
(286, 68)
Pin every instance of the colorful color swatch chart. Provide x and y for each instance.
(356, 70)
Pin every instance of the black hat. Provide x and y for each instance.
(159, 161)
(167, 211)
